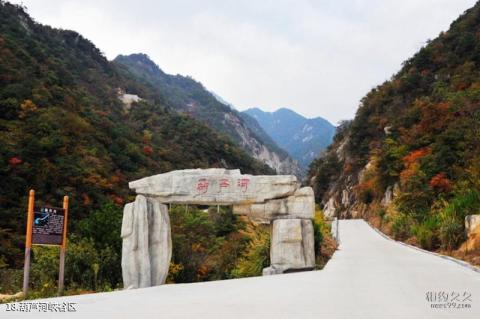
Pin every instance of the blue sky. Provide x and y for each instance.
(318, 58)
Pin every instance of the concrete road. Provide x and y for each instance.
(368, 277)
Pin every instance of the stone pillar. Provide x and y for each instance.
(147, 245)
(292, 246)
(160, 242)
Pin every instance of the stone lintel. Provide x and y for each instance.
(300, 205)
(215, 187)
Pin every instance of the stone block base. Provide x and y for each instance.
(292, 246)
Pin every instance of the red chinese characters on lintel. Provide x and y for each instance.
(243, 184)
(203, 185)
(224, 183)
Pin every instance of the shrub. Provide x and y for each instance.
(440, 183)
(10, 280)
(317, 236)
(81, 264)
(451, 233)
(382, 213)
(452, 217)
(416, 196)
(44, 268)
(365, 192)
(320, 228)
(257, 255)
(401, 226)
(426, 233)
(102, 229)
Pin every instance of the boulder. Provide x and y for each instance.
(472, 228)
(299, 205)
(292, 246)
(471, 223)
(473, 240)
(214, 187)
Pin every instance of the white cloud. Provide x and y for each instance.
(316, 57)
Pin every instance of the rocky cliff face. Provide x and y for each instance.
(278, 160)
(187, 96)
(411, 155)
(302, 138)
(339, 182)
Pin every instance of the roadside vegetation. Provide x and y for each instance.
(417, 138)
(209, 243)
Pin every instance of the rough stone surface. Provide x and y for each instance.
(160, 241)
(292, 246)
(135, 261)
(345, 198)
(330, 208)
(147, 246)
(388, 197)
(215, 186)
(129, 243)
(308, 242)
(300, 205)
(471, 223)
(473, 240)
(271, 271)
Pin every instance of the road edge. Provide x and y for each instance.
(455, 260)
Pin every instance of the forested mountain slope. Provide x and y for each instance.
(65, 131)
(410, 159)
(188, 96)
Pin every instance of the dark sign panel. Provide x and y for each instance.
(48, 225)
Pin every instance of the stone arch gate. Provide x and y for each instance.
(277, 199)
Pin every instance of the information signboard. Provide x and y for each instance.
(48, 226)
(45, 226)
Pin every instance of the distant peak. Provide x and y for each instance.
(139, 59)
(282, 110)
(285, 110)
(254, 109)
(135, 56)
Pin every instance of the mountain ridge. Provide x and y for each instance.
(191, 98)
(301, 137)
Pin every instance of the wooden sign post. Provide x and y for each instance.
(28, 242)
(61, 273)
(45, 226)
